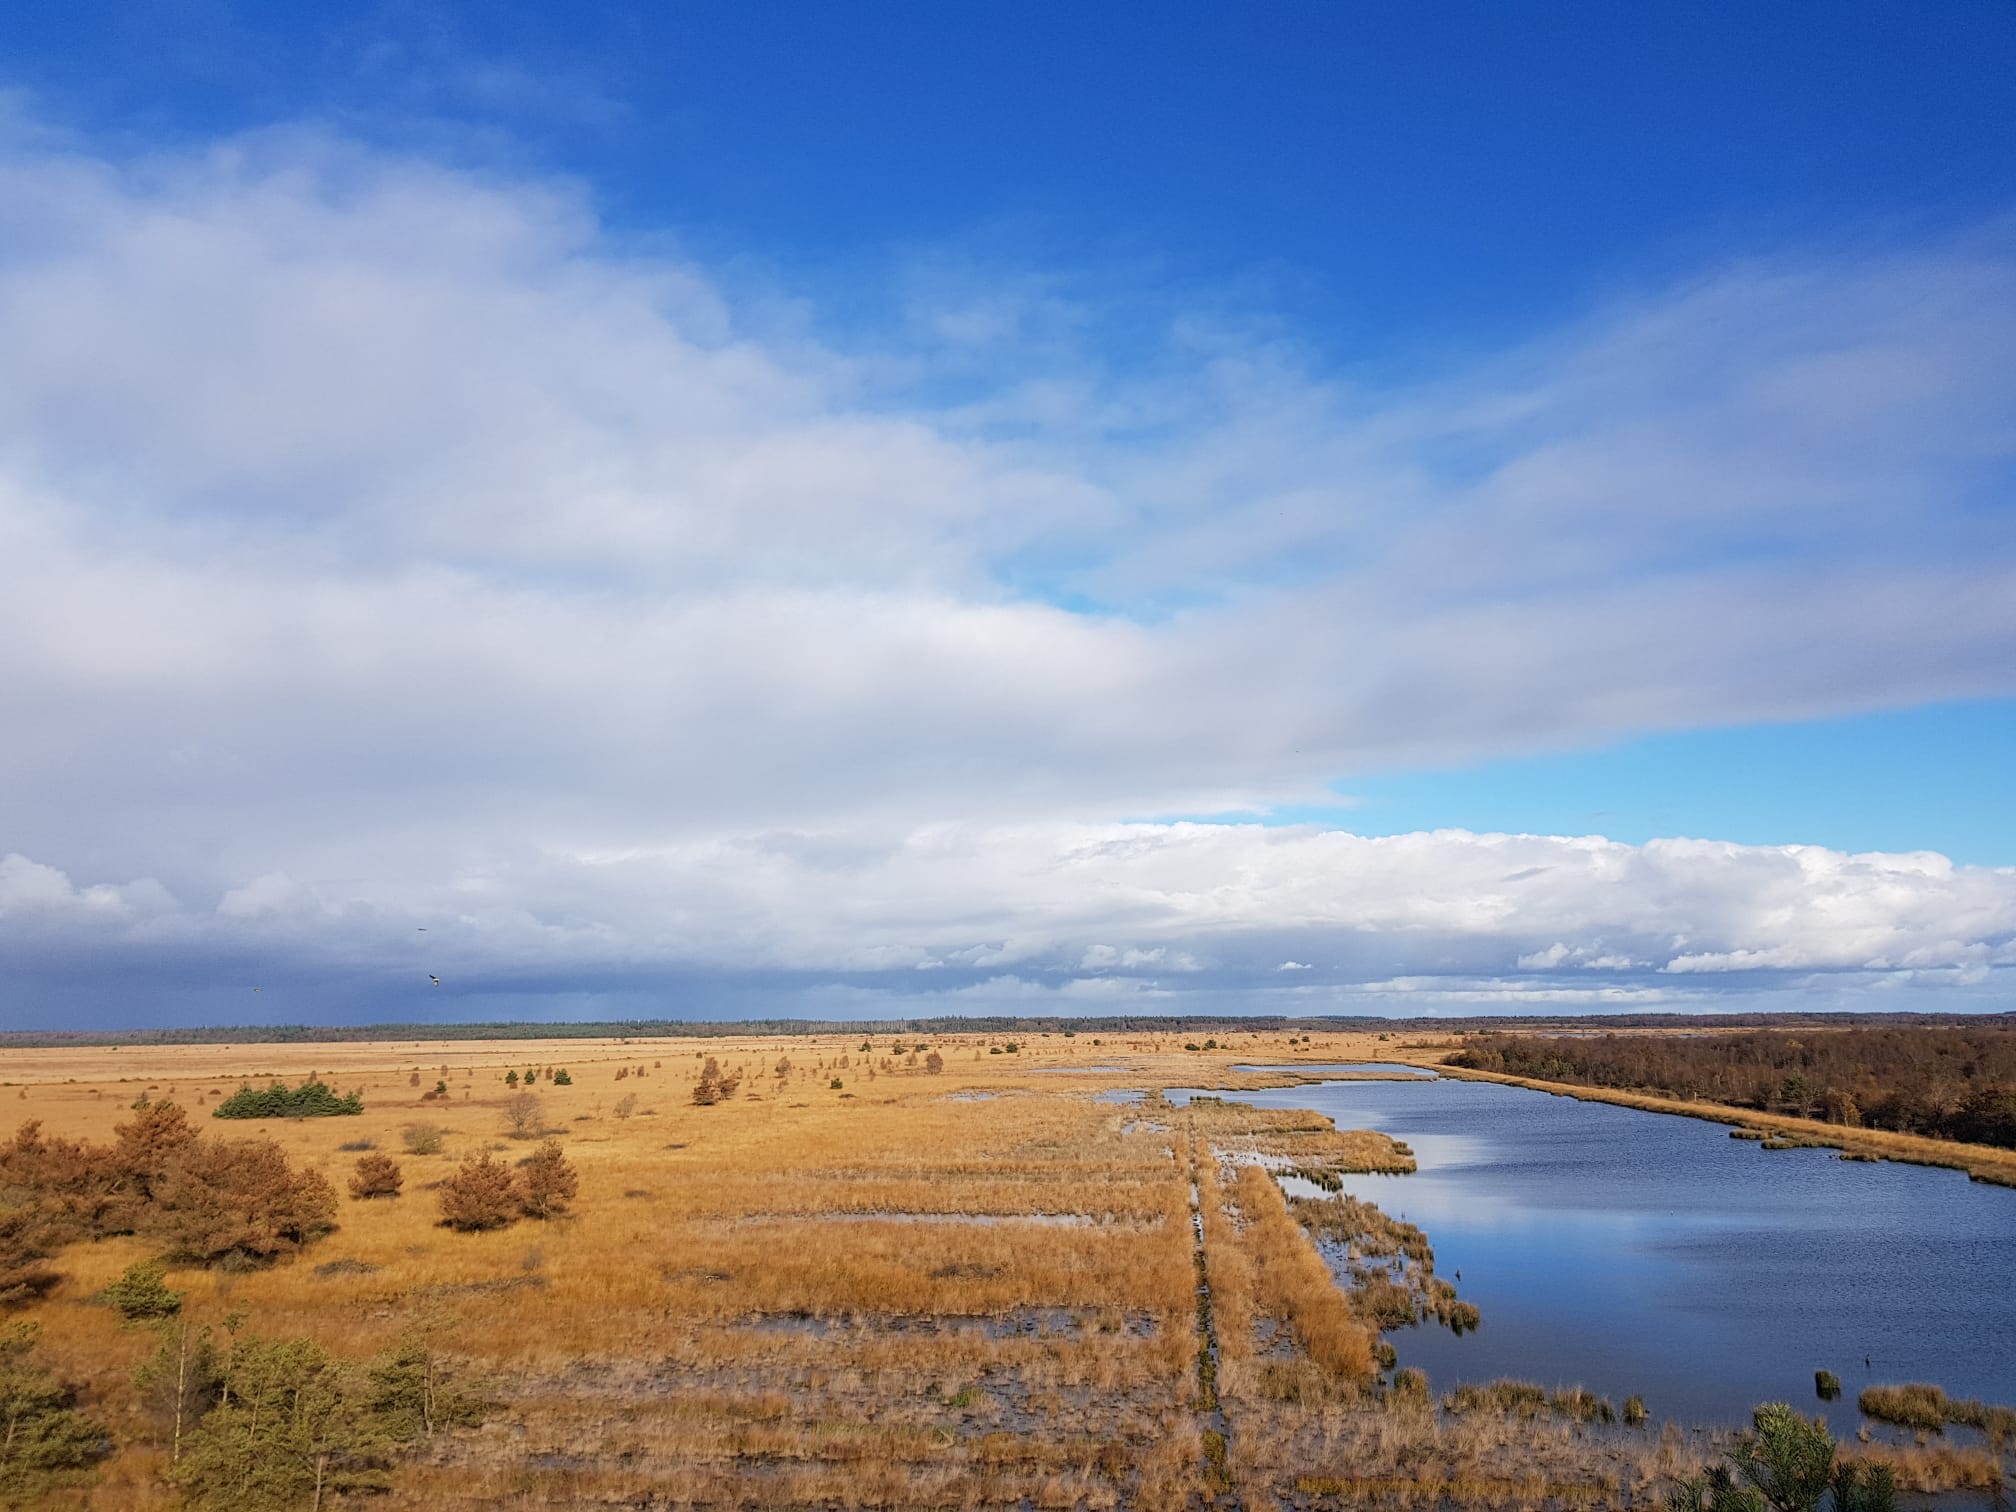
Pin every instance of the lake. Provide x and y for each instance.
(1634, 1252)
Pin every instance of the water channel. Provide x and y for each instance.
(1632, 1252)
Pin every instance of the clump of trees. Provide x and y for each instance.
(487, 1194)
(46, 1442)
(205, 1200)
(261, 1424)
(314, 1098)
(1946, 1083)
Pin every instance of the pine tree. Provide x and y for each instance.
(45, 1442)
(292, 1427)
(546, 1182)
(142, 1294)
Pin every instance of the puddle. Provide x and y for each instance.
(1019, 1322)
(1077, 1070)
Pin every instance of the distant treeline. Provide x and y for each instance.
(1947, 1082)
(1172, 1024)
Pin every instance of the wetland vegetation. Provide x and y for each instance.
(954, 1280)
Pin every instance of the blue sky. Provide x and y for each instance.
(694, 509)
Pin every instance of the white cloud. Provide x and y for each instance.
(382, 544)
(1206, 907)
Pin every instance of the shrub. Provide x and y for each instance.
(141, 1294)
(422, 1138)
(376, 1176)
(547, 1182)
(413, 1395)
(314, 1098)
(481, 1195)
(25, 1244)
(524, 1115)
(626, 1105)
(562, 1079)
(239, 1199)
(934, 1063)
(47, 1442)
(834, 1084)
(510, 1078)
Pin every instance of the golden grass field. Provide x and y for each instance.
(974, 1288)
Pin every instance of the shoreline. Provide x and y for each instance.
(1983, 1163)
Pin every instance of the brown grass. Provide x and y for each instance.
(886, 1296)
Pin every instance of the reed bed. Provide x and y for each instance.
(885, 1295)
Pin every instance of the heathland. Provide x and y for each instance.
(892, 1270)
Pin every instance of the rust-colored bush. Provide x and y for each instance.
(376, 1176)
(481, 1195)
(547, 1183)
(238, 1198)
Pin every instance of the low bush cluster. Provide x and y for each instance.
(487, 1194)
(204, 1200)
(314, 1098)
(715, 1085)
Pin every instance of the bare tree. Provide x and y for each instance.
(524, 1115)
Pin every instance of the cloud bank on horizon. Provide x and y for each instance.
(389, 546)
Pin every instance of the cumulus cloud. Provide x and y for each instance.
(382, 544)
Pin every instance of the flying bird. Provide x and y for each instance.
(434, 979)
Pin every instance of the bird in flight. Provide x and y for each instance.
(434, 979)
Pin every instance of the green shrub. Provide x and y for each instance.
(314, 1098)
(421, 1139)
(141, 1294)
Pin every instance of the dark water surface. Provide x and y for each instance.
(1634, 1252)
